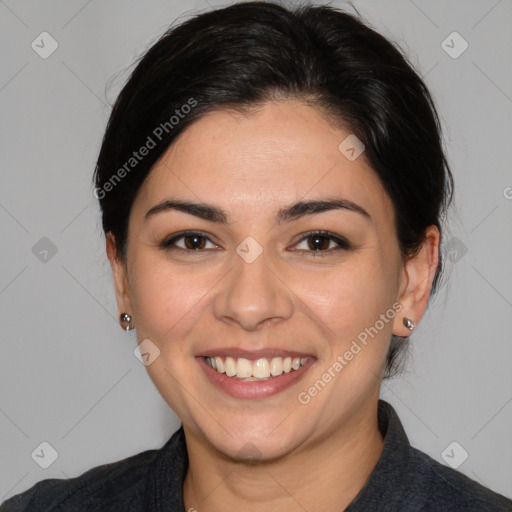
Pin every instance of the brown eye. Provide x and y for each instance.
(194, 242)
(318, 242)
(188, 241)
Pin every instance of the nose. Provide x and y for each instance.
(253, 295)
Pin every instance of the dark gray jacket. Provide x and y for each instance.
(404, 479)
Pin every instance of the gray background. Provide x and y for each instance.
(68, 375)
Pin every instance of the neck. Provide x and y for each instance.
(326, 476)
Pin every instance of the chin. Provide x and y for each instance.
(253, 452)
(252, 443)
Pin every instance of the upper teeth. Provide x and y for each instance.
(259, 369)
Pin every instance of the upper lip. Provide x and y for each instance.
(263, 353)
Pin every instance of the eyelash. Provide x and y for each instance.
(342, 243)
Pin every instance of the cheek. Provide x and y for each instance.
(348, 299)
(165, 301)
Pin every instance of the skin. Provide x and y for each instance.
(315, 456)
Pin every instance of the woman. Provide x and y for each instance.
(272, 184)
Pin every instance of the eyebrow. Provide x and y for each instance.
(303, 208)
(295, 211)
(201, 210)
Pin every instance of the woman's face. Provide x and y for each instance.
(255, 284)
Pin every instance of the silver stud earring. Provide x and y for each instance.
(126, 321)
(408, 323)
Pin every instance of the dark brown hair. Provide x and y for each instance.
(252, 52)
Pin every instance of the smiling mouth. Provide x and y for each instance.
(261, 369)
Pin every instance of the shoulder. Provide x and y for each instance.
(445, 488)
(406, 478)
(114, 486)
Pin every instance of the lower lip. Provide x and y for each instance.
(253, 389)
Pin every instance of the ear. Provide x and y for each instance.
(120, 276)
(418, 275)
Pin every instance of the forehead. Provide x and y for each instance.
(273, 155)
